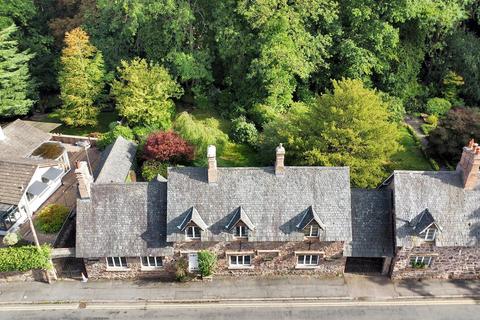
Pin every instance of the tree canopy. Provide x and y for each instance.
(15, 83)
(143, 94)
(81, 79)
(348, 126)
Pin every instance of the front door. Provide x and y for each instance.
(192, 261)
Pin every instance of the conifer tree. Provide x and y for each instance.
(81, 79)
(15, 83)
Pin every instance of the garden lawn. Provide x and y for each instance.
(104, 119)
(411, 157)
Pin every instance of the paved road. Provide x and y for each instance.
(404, 310)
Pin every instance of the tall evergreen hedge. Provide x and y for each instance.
(24, 258)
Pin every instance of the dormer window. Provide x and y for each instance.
(193, 232)
(241, 231)
(311, 230)
(240, 224)
(430, 234)
(310, 224)
(426, 226)
(192, 225)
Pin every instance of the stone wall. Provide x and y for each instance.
(97, 269)
(447, 263)
(269, 258)
(31, 275)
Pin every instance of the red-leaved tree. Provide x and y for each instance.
(168, 147)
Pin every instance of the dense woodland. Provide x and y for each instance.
(330, 79)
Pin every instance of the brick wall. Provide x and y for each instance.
(269, 258)
(447, 263)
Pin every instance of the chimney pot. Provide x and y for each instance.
(280, 160)
(212, 171)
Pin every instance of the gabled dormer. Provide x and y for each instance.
(240, 224)
(311, 225)
(193, 225)
(425, 226)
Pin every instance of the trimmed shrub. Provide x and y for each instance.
(167, 147)
(181, 269)
(432, 119)
(243, 131)
(438, 106)
(141, 133)
(11, 239)
(152, 168)
(207, 261)
(51, 218)
(24, 258)
(427, 128)
(110, 136)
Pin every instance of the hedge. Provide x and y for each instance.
(24, 258)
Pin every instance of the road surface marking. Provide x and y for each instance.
(210, 305)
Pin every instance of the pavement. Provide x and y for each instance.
(348, 288)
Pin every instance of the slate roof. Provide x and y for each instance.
(456, 210)
(116, 161)
(275, 204)
(371, 224)
(14, 179)
(21, 139)
(125, 219)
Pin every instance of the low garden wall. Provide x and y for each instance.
(65, 138)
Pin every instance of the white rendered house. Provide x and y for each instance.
(31, 170)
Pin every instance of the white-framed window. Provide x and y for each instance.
(420, 261)
(311, 230)
(307, 260)
(117, 263)
(193, 232)
(240, 260)
(241, 231)
(430, 234)
(151, 262)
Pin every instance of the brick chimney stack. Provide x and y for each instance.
(469, 165)
(280, 160)
(84, 179)
(212, 164)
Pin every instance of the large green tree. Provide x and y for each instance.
(348, 126)
(81, 79)
(144, 92)
(32, 34)
(15, 84)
